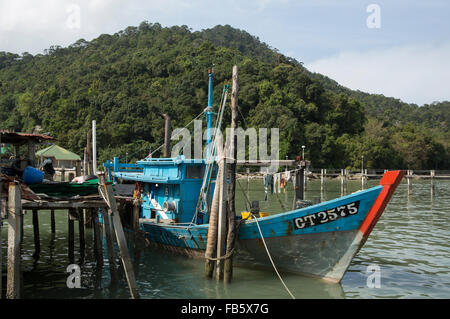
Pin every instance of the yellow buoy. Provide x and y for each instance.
(246, 215)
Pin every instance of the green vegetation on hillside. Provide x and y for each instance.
(126, 80)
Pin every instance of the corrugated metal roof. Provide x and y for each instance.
(58, 153)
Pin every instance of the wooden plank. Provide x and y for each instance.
(15, 216)
(110, 245)
(63, 204)
(120, 236)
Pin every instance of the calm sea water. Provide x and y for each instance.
(410, 246)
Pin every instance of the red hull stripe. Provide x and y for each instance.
(389, 181)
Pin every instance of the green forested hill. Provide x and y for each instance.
(126, 80)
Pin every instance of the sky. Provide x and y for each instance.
(396, 48)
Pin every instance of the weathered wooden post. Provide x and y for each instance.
(1, 242)
(167, 133)
(13, 288)
(221, 221)
(110, 245)
(120, 237)
(432, 175)
(32, 152)
(52, 221)
(136, 238)
(71, 216)
(81, 233)
(98, 249)
(37, 244)
(248, 188)
(231, 211)
(408, 179)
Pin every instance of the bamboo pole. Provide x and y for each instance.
(13, 288)
(211, 243)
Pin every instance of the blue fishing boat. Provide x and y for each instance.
(318, 240)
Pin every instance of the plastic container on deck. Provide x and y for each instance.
(32, 175)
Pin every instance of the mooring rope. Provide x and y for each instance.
(270, 257)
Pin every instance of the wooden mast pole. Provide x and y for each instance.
(231, 212)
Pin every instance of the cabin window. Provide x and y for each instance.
(195, 172)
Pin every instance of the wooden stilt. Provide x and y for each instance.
(221, 221)
(71, 234)
(231, 211)
(15, 216)
(98, 250)
(37, 243)
(110, 245)
(81, 235)
(120, 236)
(136, 244)
(52, 221)
(1, 241)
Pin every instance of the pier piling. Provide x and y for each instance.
(13, 288)
(37, 244)
(98, 250)
(52, 221)
(71, 235)
(110, 245)
(81, 234)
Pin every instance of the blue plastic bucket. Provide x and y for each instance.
(32, 175)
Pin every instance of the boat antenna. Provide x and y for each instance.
(209, 112)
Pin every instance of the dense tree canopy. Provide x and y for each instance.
(126, 80)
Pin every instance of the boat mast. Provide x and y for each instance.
(209, 113)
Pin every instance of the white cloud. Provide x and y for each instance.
(415, 74)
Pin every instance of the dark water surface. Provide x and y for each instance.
(410, 247)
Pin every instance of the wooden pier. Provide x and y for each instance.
(79, 209)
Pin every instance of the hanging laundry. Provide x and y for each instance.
(268, 181)
(287, 176)
(283, 181)
(277, 182)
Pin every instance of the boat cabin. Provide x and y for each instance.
(169, 187)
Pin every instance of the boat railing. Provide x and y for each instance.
(115, 167)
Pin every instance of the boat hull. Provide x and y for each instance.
(319, 240)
